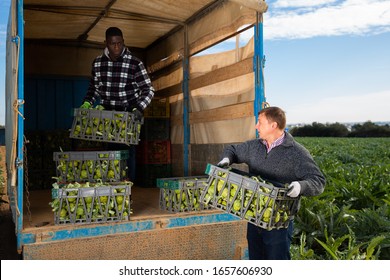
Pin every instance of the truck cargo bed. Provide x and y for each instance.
(151, 233)
(145, 205)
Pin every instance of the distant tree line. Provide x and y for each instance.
(367, 129)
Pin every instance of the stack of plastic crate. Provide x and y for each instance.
(154, 151)
(91, 187)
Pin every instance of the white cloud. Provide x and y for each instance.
(300, 19)
(362, 108)
(301, 3)
(356, 17)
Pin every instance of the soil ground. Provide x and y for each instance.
(7, 237)
(7, 227)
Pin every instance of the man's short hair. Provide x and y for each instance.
(113, 31)
(275, 114)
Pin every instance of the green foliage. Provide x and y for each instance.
(351, 219)
(368, 129)
(300, 251)
(351, 250)
(321, 130)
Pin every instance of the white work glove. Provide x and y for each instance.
(224, 162)
(294, 189)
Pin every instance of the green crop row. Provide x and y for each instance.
(351, 219)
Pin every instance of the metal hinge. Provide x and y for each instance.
(18, 163)
(15, 40)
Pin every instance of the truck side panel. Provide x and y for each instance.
(218, 241)
(50, 101)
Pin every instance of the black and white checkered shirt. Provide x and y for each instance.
(120, 85)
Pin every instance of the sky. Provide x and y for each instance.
(326, 61)
(4, 11)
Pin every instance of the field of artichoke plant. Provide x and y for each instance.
(351, 219)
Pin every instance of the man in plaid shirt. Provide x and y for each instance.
(119, 79)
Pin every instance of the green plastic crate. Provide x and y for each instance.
(91, 166)
(92, 204)
(105, 126)
(182, 194)
(261, 203)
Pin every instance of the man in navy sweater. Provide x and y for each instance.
(277, 157)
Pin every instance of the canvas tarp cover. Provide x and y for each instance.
(142, 22)
(159, 27)
(221, 98)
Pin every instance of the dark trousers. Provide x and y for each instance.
(269, 244)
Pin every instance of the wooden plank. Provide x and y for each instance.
(230, 112)
(235, 111)
(164, 63)
(165, 237)
(167, 71)
(169, 91)
(229, 72)
(223, 74)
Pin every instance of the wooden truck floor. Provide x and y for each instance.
(145, 205)
(150, 234)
